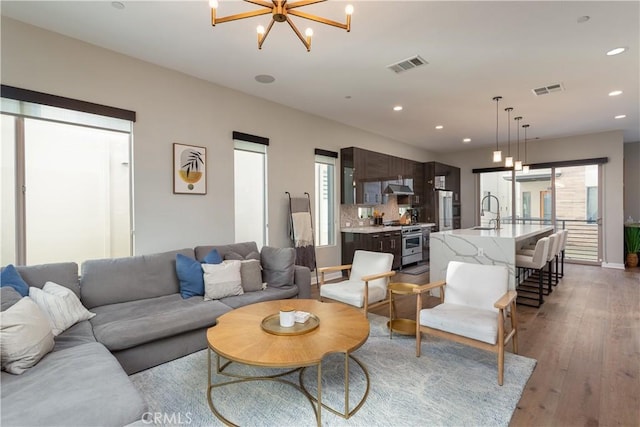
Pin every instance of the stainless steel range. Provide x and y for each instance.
(411, 244)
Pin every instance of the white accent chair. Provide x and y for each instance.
(366, 286)
(475, 301)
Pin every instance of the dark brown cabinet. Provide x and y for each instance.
(388, 241)
(366, 174)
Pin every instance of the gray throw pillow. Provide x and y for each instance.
(8, 297)
(278, 265)
(236, 255)
(251, 274)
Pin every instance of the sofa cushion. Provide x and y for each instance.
(189, 273)
(63, 273)
(278, 265)
(25, 335)
(222, 280)
(8, 297)
(269, 294)
(62, 307)
(78, 334)
(116, 280)
(243, 249)
(124, 325)
(80, 386)
(10, 277)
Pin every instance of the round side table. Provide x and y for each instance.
(399, 325)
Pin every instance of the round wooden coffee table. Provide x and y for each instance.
(240, 337)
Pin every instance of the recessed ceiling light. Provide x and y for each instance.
(621, 116)
(583, 19)
(615, 93)
(117, 4)
(616, 51)
(439, 127)
(265, 78)
(397, 108)
(466, 140)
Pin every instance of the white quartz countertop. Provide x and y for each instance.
(383, 228)
(507, 231)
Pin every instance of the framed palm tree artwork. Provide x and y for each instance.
(189, 169)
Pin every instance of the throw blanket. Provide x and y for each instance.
(302, 236)
(302, 233)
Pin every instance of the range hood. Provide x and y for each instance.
(398, 190)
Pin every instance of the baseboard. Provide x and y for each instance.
(615, 265)
(327, 277)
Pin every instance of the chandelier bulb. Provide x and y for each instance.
(308, 32)
(213, 4)
(260, 29)
(349, 9)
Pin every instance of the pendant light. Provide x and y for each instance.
(518, 165)
(525, 167)
(508, 161)
(497, 155)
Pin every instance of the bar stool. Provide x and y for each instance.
(565, 238)
(554, 241)
(536, 261)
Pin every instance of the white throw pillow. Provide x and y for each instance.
(222, 280)
(61, 305)
(25, 336)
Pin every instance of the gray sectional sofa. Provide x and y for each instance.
(141, 321)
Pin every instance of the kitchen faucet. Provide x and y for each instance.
(497, 219)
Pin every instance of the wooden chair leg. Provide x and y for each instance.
(418, 333)
(500, 347)
(514, 327)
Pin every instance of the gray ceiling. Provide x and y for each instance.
(475, 50)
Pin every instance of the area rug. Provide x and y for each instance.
(416, 269)
(449, 385)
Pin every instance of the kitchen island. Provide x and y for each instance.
(482, 246)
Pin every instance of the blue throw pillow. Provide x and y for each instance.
(189, 273)
(213, 257)
(10, 277)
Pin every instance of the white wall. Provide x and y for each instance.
(632, 181)
(172, 107)
(605, 144)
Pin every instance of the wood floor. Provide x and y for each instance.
(586, 339)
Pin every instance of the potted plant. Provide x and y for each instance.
(632, 242)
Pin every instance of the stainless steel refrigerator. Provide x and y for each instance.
(444, 210)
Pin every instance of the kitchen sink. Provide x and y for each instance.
(483, 228)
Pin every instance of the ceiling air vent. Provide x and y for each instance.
(557, 87)
(407, 64)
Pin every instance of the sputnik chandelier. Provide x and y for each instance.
(280, 11)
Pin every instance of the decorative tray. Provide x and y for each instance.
(271, 324)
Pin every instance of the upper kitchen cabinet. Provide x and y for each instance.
(362, 174)
(439, 176)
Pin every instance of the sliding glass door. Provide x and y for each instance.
(566, 196)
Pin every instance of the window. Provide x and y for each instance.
(66, 185)
(250, 191)
(592, 204)
(325, 200)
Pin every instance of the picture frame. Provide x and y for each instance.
(189, 169)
